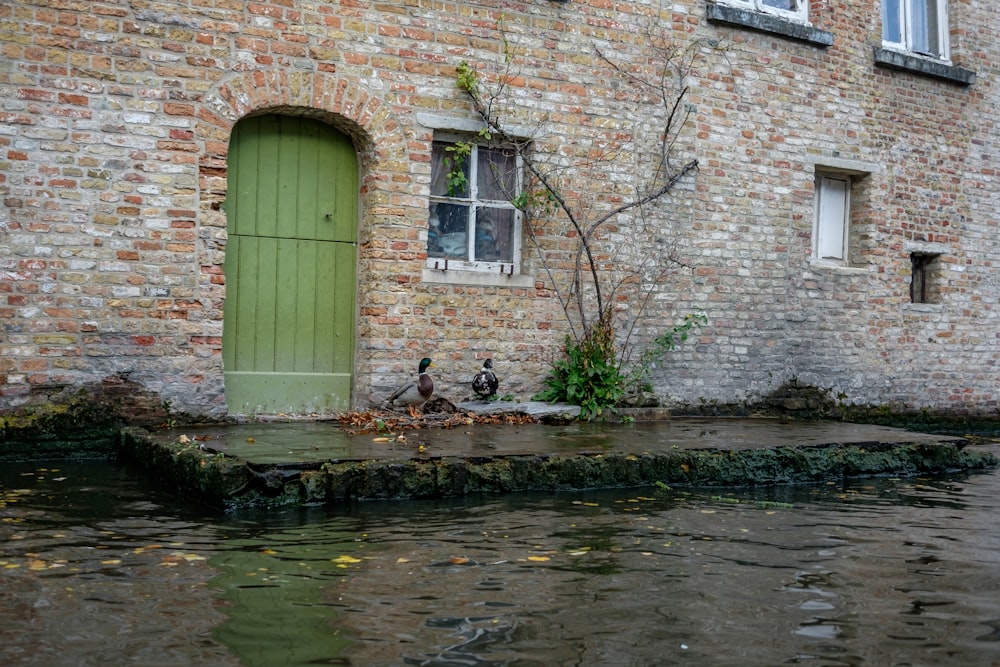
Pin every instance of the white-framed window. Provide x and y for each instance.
(472, 224)
(916, 26)
(797, 10)
(832, 219)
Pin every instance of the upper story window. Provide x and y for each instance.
(472, 224)
(917, 26)
(797, 10)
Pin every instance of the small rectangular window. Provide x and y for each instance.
(472, 223)
(916, 26)
(833, 209)
(923, 266)
(797, 10)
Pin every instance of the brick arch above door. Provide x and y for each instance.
(345, 103)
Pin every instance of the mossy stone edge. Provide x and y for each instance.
(229, 483)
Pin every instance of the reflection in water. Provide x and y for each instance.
(97, 569)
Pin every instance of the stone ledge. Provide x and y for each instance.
(910, 63)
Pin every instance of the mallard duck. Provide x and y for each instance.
(485, 383)
(413, 394)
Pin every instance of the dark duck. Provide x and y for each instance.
(485, 383)
(413, 394)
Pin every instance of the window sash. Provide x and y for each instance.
(472, 224)
(833, 207)
(917, 26)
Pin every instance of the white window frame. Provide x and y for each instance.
(474, 203)
(910, 16)
(832, 220)
(800, 14)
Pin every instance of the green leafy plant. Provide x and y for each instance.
(458, 155)
(589, 375)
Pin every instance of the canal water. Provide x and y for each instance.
(99, 568)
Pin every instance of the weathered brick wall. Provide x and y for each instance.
(114, 126)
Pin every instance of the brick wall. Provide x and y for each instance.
(115, 119)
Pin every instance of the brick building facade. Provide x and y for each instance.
(841, 230)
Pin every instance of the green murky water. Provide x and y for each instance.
(98, 568)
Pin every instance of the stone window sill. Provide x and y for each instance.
(933, 68)
(775, 25)
(480, 278)
(922, 307)
(835, 268)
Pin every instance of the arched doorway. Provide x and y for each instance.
(292, 215)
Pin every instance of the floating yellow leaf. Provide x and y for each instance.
(251, 440)
(346, 560)
(380, 439)
(110, 561)
(458, 560)
(539, 559)
(10, 566)
(269, 552)
(402, 560)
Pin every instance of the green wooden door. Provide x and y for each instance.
(288, 336)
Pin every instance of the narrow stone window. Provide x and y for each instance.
(833, 215)
(924, 268)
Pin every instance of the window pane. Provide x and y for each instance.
(496, 174)
(790, 5)
(891, 28)
(831, 221)
(495, 234)
(447, 179)
(933, 29)
(447, 232)
(919, 37)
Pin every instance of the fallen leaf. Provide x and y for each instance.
(346, 560)
(539, 559)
